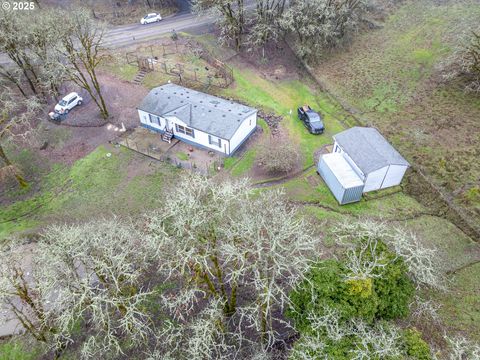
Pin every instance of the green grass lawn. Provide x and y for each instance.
(283, 98)
(241, 166)
(125, 72)
(97, 185)
(461, 304)
(181, 156)
(16, 350)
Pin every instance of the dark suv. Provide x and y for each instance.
(311, 119)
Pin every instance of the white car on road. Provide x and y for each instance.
(68, 103)
(150, 18)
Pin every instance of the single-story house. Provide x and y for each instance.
(371, 157)
(197, 118)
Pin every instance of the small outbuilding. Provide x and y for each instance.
(341, 179)
(372, 157)
(362, 160)
(197, 118)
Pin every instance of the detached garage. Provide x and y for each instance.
(342, 180)
(362, 160)
(372, 157)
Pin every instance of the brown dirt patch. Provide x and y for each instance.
(279, 63)
(87, 130)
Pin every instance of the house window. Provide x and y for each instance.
(154, 119)
(212, 140)
(184, 130)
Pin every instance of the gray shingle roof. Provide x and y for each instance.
(198, 110)
(369, 149)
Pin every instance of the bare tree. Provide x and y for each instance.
(230, 18)
(14, 77)
(15, 41)
(224, 243)
(82, 48)
(377, 341)
(465, 61)
(279, 155)
(94, 274)
(266, 23)
(15, 117)
(422, 262)
(44, 39)
(320, 24)
(461, 348)
(20, 298)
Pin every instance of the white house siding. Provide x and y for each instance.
(158, 122)
(394, 175)
(374, 179)
(338, 149)
(200, 138)
(248, 126)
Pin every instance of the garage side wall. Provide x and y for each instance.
(342, 194)
(375, 179)
(394, 175)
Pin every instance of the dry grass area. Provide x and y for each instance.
(391, 76)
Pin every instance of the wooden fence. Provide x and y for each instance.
(153, 58)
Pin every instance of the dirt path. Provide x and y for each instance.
(282, 180)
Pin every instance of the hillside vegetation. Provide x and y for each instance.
(392, 77)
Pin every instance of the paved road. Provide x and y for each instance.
(184, 20)
(126, 35)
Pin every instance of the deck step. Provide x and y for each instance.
(167, 136)
(138, 79)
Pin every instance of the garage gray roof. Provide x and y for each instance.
(368, 149)
(198, 110)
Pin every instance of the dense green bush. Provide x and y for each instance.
(326, 287)
(328, 349)
(393, 287)
(415, 347)
(385, 295)
(342, 311)
(408, 345)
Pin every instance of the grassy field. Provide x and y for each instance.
(282, 98)
(391, 76)
(16, 350)
(107, 181)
